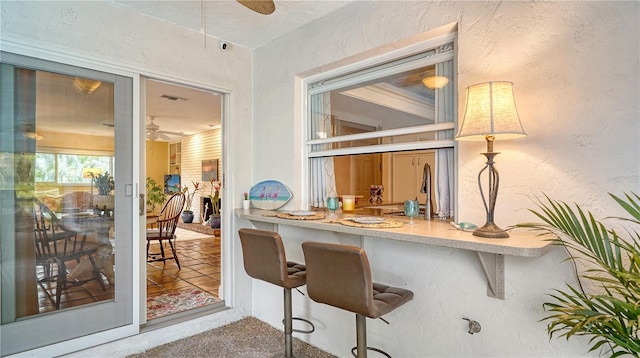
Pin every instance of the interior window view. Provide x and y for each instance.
(276, 178)
(69, 195)
(362, 126)
(183, 198)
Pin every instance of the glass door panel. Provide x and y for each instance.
(66, 202)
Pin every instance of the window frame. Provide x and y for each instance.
(403, 49)
(57, 154)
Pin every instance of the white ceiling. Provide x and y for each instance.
(229, 21)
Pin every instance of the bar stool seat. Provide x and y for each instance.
(340, 276)
(264, 259)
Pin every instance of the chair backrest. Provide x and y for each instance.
(170, 214)
(264, 256)
(52, 238)
(339, 275)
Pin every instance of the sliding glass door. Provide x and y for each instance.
(66, 202)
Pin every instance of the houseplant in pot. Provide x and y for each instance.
(105, 185)
(214, 195)
(187, 213)
(610, 315)
(155, 194)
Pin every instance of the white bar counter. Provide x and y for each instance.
(521, 243)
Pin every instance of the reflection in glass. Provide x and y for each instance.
(359, 121)
(62, 125)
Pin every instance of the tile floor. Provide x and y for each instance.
(200, 262)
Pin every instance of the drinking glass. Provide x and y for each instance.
(411, 209)
(332, 204)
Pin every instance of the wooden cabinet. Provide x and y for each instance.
(406, 176)
(175, 157)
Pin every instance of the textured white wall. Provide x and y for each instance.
(100, 33)
(575, 69)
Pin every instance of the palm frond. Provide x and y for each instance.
(611, 318)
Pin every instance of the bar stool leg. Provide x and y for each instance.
(361, 335)
(288, 324)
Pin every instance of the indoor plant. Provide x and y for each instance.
(609, 317)
(214, 195)
(187, 213)
(105, 185)
(246, 203)
(155, 194)
(103, 182)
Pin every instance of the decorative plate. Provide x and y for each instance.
(302, 213)
(269, 195)
(368, 220)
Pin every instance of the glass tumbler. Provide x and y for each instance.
(411, 209)
(332, 204)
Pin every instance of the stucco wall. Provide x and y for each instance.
(575, 70)
(107, 36)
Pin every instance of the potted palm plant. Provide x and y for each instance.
(610, 317)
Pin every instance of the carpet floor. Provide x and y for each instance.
(247, 338)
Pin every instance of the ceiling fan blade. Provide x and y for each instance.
(264, 7)
(172, 133)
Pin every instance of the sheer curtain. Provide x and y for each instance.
(323, 182)
(444, 185)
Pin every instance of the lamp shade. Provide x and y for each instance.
(490, 111)
(87, 171)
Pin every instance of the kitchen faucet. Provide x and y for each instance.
(426, 188)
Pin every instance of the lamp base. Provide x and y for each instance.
(491, 230)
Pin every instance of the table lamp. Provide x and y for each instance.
(91, 173)
(490, 113)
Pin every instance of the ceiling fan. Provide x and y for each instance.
(154, 132)
(264, 7)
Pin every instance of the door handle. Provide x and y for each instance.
(141, 204)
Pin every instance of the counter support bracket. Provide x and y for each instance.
(261, 225)
(349, 239)
(493, 267)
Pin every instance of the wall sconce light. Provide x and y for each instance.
(435, 82)
(490, 113)
(86, 85)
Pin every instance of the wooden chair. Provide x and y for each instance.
(55, 246)
(165, 229)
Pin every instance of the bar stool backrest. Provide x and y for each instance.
(264, 258)
(340, 276)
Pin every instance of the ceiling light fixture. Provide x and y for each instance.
(435, 82)
(86, 85)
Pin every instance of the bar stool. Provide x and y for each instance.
(264, 259)
(340, 276)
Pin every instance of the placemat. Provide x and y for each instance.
(388, 224)
(300, 217)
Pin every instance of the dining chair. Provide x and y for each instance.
(165, 229)
(55, 246)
